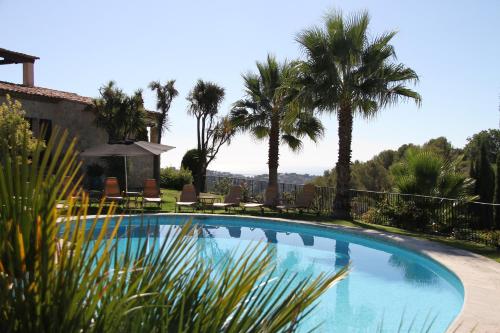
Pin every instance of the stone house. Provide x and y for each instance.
(48, 108)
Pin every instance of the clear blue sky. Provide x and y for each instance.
(453, 45)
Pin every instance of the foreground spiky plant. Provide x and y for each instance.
(66, 273)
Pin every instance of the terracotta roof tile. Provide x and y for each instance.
(44, 92)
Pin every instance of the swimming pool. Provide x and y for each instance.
(387, 285)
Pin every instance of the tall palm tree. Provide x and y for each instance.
(164, 96)
(269, 112)
(348, 73)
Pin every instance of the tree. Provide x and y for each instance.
(15, 130)
(497, 194)
(425, 173)
(212, 131)
(347, 73)
(443, 148)
(123, 117)
(491, 138)
(485, 184)
(268, 111)
(164, 96)
(191, 161)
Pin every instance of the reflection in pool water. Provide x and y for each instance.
(385, 284)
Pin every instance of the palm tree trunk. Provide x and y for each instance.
(156, 161)
(273, 156)
(342, 203)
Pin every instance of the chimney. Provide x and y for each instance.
(8, 57)
(28, 74)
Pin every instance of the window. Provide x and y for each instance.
(45, 126)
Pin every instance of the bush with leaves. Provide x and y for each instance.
(175, 179)
(402, 214)
(14, 128)
(191, 161)
(66, 273)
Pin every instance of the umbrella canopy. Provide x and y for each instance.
(138, 148)
(127, 149)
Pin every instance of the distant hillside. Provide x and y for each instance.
(288, 178)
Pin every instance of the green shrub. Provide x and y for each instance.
(190, 161)
(175, 179)
(222, 186)
(403, 214)
(62, 272)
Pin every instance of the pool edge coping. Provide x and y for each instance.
(479, 275)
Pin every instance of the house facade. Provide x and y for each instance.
(49, 108)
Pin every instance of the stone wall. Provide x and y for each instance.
(78, 121)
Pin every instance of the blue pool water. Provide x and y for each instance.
(386, 286)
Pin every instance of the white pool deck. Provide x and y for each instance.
(479, 275)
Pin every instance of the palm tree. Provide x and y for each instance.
(212, 131)
(347, 73)
(268, 111)
(164, 96)
(425, 173)
(122, 117)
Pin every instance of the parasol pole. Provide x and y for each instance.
(126, 180)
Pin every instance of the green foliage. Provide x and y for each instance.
(222, 186)
(485, 184)
(425, 173)
(123, 117)
(173, 178)
(491, 139)
(270, 103)
(15, 130)
(191, 161)
(348, 72)
(212, 131)
(370, 176)
(443, 148)
(66, 273)
(164, 96)
(497, 194)
(270, 110)
(406, 214)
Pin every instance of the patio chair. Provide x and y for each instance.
(151, 193)
(303, 201)
(188, 197)
(112, 190)
(271, 200)
(233, 198)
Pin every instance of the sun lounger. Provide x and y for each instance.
(233, 198)
(151, 193)
(188, 197)
(112, 190)
(271, 200)
(304, 200)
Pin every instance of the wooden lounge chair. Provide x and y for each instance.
(304, 200)
(112, 190)
(233, 198)
(151, 193)
(188, 197)
(271, 200)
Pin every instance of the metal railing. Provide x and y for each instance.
(466, 220)
(473, 221)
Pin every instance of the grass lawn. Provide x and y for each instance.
(169, 196)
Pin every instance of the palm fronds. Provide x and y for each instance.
(64, 272)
